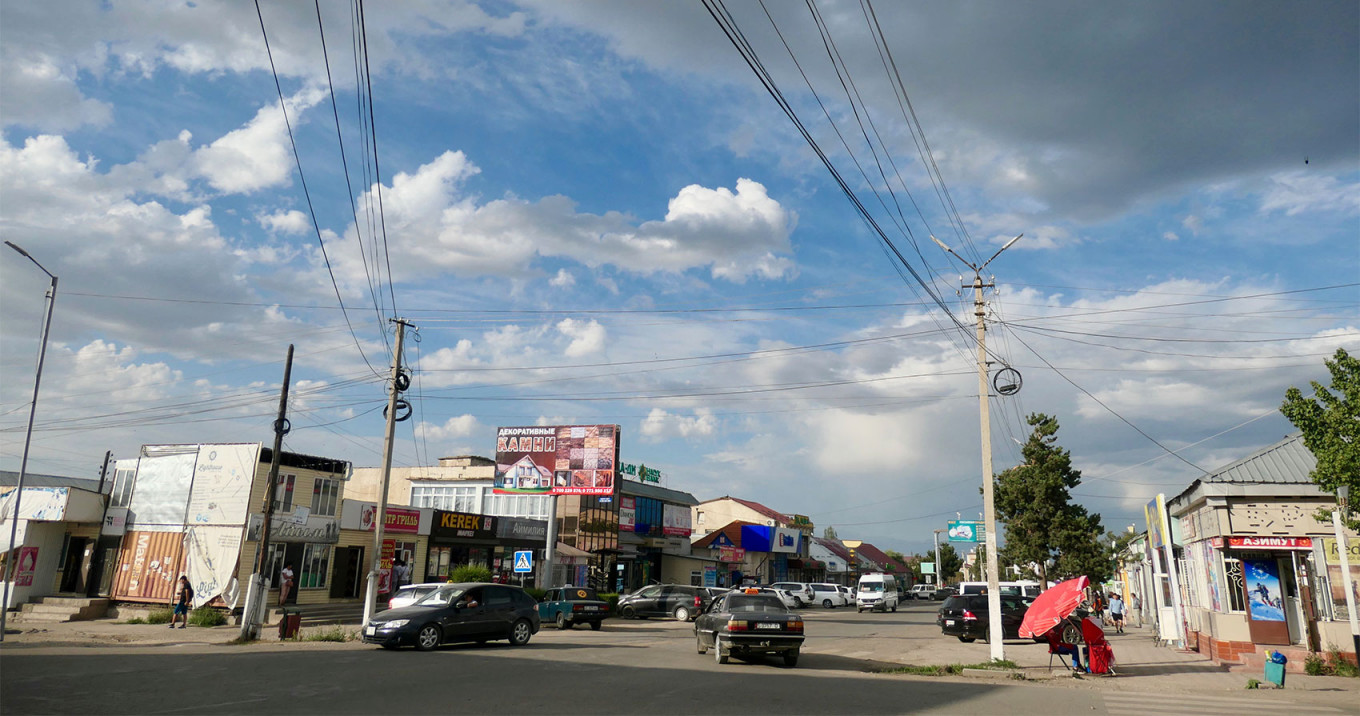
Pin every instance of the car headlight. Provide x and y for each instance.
(394, 624)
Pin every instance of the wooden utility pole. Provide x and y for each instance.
(380, 516)
(258, 589)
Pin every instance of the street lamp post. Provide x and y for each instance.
(1343, 502)
(939, 572)
(28, 439)
(988, 501)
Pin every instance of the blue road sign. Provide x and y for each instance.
(524, 561)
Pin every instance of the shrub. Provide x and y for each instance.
(1253, 684)
(135, 620)
(470, 573)
(160, 615)
(612, 599)
(1315, 665)
(1340, 665)
(335, 633)
(537, 594)
(207, 617)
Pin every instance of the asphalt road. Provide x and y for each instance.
(629, 667)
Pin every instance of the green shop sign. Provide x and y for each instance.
(640, 472)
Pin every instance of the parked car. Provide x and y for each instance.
(457, 612)
(922, 591)
(849, 594)
(568, 606)
(789, 599)
(876, 591)
(801, 590)
(681, 601)
(966, 617)
(829, 595)
(747, 622)
(943, 593)
(409, 594)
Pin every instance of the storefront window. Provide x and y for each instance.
(316, 562)
(1232, 569)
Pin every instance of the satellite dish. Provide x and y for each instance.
(1007, 381)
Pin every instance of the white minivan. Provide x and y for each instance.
(876, 591)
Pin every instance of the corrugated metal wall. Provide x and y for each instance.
(148, 566)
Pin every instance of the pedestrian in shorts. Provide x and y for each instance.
(184, 596)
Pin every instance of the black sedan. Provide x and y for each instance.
(457, 612)
(744, 625)
(966, 617)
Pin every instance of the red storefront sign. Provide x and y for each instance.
(731, 554)
(396, 519)
(1270, 542)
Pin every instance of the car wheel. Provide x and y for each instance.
(562, 622)
(894, 608)
(681, 613)
(718, 654)
(797, 602)
(628, 613)
(428, 637)
(791, 658)
(827, 604)
(699, 644)
(520, 633)
(594, 626)
(967, 639)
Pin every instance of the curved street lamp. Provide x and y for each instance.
(28, 439)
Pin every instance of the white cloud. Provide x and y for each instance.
(661, 424)
(563, 279)
(1297, 192)
(40, 94)
(257, 155)
(459, 426)
(1170, 236)
(286, 222)
(587, 337)
(1193, 222)
(737, 234)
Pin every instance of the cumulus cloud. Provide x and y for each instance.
(459, 426)
(256, 155)
(587, 337)
(291, 221)
(563, 279)
(737, 234)
(662, 424)
(42, 95)
(1297, 192)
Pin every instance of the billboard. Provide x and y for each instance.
(627, 514)
(557, 460)
(785, 540)
(675, 520)
(966, 531)
(223, 475)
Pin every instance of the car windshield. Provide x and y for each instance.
(871, 587)
(754, 603)
(440, 597)
(579, 593)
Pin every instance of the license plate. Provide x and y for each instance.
(769, 626)
(370, 631)
(592, 609)
(949, 622)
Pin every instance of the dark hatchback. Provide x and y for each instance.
(457, 612)
(744, 625)
(681, 601)
(966, 617)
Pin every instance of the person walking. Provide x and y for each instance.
(184, 596)
(1117, 612)
(1137, 604)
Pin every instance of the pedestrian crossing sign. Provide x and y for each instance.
(524, 561)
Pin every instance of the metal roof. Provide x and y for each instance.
(1286, 462)
(11, 477)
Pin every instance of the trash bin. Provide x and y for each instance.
(1275, 662)
(289, 624)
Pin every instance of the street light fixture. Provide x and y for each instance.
(988, 499)
(28, 438)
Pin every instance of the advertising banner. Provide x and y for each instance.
(395, 519)
(221, 489)
(675, 520)
(28, 564)
(44, 504)
(452, 526)
(160, 494)
(558, 460)
(1263, 589)
(641, 473)
(1270, 542)
(966, 531)
(211, 554)
(283, 529)
(731, 554)
(1154, 512)
(785, 540)
(627, 514)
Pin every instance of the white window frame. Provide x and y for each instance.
(284, 490)
(325, 496)
(309, 556)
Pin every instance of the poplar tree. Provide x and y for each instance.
(1330, 423)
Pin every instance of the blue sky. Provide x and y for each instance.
(595, 213)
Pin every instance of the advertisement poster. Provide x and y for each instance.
(557, 460)
(1154, 513)
(627, 513)
(675, 520)
(223, 474)
(160, 497)
(1332, 556)
(28, 564)
(211, 555)
(1263, 590)
(389, 552)
(785, 540)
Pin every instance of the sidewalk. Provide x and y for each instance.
(110, 632)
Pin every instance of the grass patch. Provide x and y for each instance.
(335, 633)
(160, 616)
(1333, 665)
(950, 669)
(135, 620)
(207, 617)
(1253, 684)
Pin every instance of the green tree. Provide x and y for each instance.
(947, 564)
(830, 533)
(1043, 525)
(1330, 423)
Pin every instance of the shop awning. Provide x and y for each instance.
(566, 550)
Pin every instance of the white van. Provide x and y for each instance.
(876, 591)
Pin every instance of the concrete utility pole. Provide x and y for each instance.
(258, 590)
(994, 631)
(28, 440)
(939, 572)
(1343, 495)
(380, 517)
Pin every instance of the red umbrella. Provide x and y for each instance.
(1051, 607)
